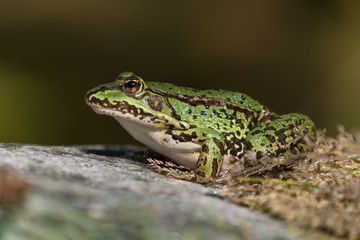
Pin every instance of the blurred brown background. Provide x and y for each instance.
(292, 56)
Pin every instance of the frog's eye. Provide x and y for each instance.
(133, 86)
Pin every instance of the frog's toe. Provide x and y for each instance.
(188, 175)
(171, 169)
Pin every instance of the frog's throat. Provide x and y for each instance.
(122, 110)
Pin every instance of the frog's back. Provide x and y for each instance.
(224, 96)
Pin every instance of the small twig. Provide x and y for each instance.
(330, 161)
(272, 180)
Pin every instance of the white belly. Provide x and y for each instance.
(183, 153)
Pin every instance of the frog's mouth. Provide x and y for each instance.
(123, 111)
(118, 109)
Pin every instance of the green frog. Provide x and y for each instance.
(200, 128)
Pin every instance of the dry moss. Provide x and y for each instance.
(319, 192)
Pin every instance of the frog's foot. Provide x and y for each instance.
(183, 175)
(162, 165)
(189, 175)
(171, 169)
(209, 159)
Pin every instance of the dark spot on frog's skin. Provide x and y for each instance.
(194, 117)
(194, 90)
(205, 149)
(222, 110)
(182, 126)
(240, 148)
(215, 167)
(233, 143)
(259, 155)
(233, 152)
(203, 95)
(293, 151)
(220, 145)
(153, 118)
(228, 117)
(270, 128)
(216, 113)
(182, 137)
(241, 125)
(200, 173)
(247, 145)
(293, 136)
(226, 134)
(282, 138)
(301, 149)
(178, 138)
(218, 126)
(155, 102)
(207, 107)
(170, 88)
(255, 132)
(280, 151)
(203, 113)
(189, 111)
(228, 99)
(238, 132)
(271, 138)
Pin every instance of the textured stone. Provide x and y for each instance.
(99, 192)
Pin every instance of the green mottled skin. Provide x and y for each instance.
(220, 123)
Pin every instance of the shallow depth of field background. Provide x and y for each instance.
(292, 56)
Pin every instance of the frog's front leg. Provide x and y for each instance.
(210, 157)
(288, 135)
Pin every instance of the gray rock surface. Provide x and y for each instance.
(99, 192)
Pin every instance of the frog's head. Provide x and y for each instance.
(130, 98)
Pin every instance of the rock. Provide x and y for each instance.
(99, 192)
